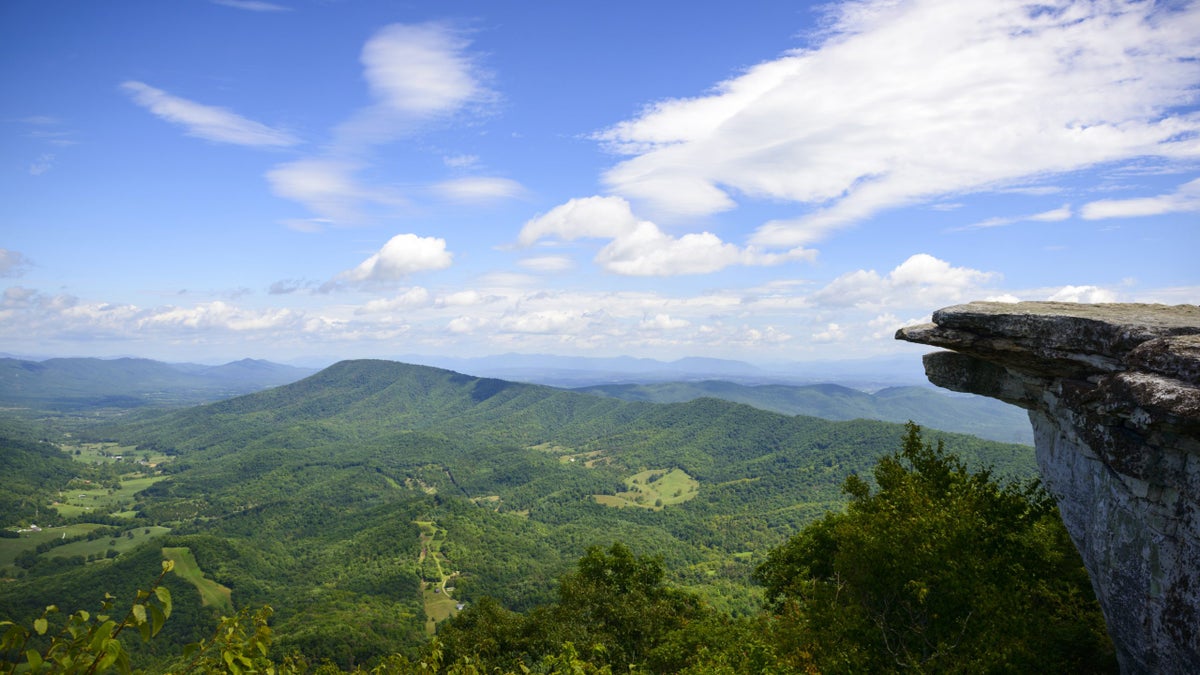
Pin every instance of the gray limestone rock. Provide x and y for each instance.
(1113, 393)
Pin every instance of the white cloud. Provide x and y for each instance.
(663, 322)
(252, 5)
(639, 247)
(1184, 200)
(409, 299)
(461, 161)
(422, 69)
(547, 263)
(206, 121)
(1051, 216)
(13, 263)
(911, 101)
(479, 189)
(1083, 294)
(832, 333)
(417, 74)
(920, 281)
(402, 255)
(326, 186)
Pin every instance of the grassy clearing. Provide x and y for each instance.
(212, 594)
(111, 453)
(435, 594)
(80, 501)
(126, 541)
(653, 489)
(11, 548)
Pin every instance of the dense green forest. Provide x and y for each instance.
(371, 502)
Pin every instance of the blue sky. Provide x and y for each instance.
(211, 180)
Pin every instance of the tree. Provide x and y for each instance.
(936, 568)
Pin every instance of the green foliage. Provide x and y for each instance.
(86, 643)
(937, 569)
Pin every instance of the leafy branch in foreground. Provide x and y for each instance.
(86, 643)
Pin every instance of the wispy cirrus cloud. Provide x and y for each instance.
(417, 75)
(252, 5)
(903, 102)
(205, 121)
(1052, 216)
(1184, 200)
(479, 189)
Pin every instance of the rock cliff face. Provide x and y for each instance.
(1113, 392)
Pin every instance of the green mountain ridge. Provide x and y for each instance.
(975, 415)
(315, 496)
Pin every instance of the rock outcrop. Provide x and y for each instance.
(1113, 392)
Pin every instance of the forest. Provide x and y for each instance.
(394, 515)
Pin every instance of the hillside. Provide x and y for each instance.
(367, 494)
(976, 415)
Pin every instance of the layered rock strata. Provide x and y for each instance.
(1113, 393)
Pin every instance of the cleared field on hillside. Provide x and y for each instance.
(654, 489)
(11, 548)
(212, 594)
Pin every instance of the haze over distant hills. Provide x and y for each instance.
(983, 417)
(86, 383)
(581, 371)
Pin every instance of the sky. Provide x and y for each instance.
(210, 180)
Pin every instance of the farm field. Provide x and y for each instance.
(11, 548)
(654, 489)
(78, 501)
(126, 541)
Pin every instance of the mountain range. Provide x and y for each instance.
(357, 500)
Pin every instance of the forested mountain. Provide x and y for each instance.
(73, 384)
(365, 501)
(976, 415)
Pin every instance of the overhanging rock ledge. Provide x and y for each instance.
(1113, 393)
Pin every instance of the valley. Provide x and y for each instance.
(379, 498)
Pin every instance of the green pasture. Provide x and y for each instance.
(11, 548)
(654, 489)
(438, 604)
(212, 594)
(79, 501)
(126, 541)
(98, 453)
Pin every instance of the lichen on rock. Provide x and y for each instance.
(1113, 393)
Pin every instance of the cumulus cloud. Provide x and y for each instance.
(13, 263)
(1087, 294)
(921, 280)
(639, 247)
(206, 121)
(1184, 200)
(663, 322)
(409, 299)
(401, 256)
(902, 102)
